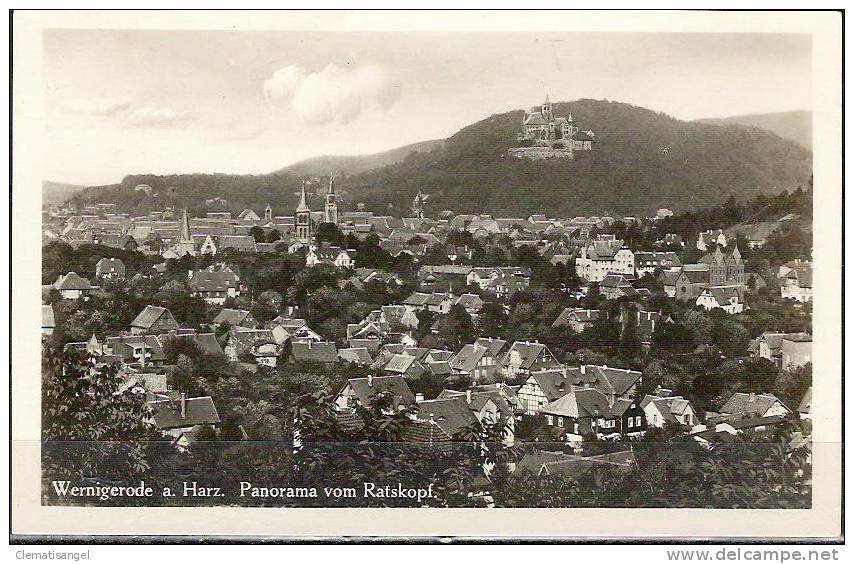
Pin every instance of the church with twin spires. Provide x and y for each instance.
(302, 214)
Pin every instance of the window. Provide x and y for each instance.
(550, 420)
(631, 422)
(560, 421)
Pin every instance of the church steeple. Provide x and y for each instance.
(302, 206)
(548, 115)
(185, 244)
(303, 219)
(331, 209)
(185, 228)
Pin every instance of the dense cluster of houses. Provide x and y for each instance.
(503, 381)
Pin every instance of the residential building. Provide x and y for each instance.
(674, 410)
(153, 320)
(524, 357)
(335, 256)
(110, 268)
(711, 237)
(214, 284)
(72, 286)
(604, 257)
(728, 298)
(763, 405)
(578, 318)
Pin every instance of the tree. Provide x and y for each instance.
(91, 426)
(492, 321)
(426, 318)
(456, 328)
(258, 234)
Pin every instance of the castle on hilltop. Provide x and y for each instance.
(540, 126)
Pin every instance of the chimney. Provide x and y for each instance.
(752, 397)
(582, 369)
(604, 367)
(468, 396)
(183, 405)
(190, 274)
(370, 380)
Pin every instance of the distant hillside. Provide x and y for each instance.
(356, 164)
(58, 192)
(794, 126)
(642, 161)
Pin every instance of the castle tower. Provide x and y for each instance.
(303, 219)
(547, 110)
(331, 215)
(268, 213)
(185, 244)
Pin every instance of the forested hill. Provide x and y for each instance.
(795, 126)
(642, 160)
(356, 164)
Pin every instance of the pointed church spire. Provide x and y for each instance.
(185, 228)
(736, 254)
(302, 207)
(547, 102)
(332, 183)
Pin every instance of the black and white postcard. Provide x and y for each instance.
(524, 274)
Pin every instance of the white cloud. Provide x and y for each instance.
(156, 117)
(97, 106)
(333, 95)
(283, 83)
(124, 112)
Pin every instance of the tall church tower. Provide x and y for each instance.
(185, 244)
(303, 219)
(548, 115)
(268, 213)
(331, 215)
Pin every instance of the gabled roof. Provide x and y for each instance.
(314, 352)
(580, 315)
(358, 355)
(417, 299)
(745, 403)
(237, 242)
(213, 281)
(366, 389)
(468, 357)
(529, 352)
(72, 281)
(198, 411)
(495, 346)
(123, 346)
(400, 363)
(452, 415)
(206, 342)
(149, 316)
(723, 294)
(604, 250)
(231, 316)
(439, 368)
(608, 380)
(553, 383)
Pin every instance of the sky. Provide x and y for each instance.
(250, 102)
